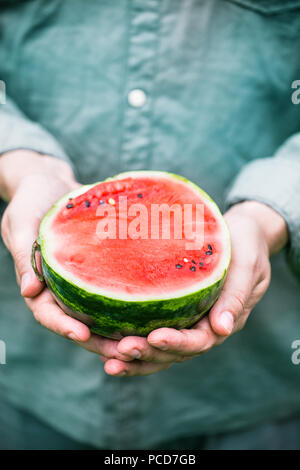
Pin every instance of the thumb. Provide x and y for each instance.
(21, 253)
(229, 311)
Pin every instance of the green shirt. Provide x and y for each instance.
(216, 77)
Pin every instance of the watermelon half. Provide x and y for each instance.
(130, 276)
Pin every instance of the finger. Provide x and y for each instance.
(185, 342)
(231, 308)
(105, 347)
(47, 312)
(136, 347)
(49, 315)
(130, 369)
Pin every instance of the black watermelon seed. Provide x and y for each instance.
(178, 266)
(209, 247)
(201, 264)
(87, 203)
(208, 253)
(101, 201)
(192, 268)
(140, 195)
(194, 261)
(70, 198)
(69, 206)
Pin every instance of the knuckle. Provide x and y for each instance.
(220, 341)
(262, 285)
(183, 359)
(261, 288)
(155, 357)
(241, 323)
(239, 301)
(185, 340)
(207, 341)
(266, 279)
(5, 228)
(38, 312)
(38, 317)
(18, 256)
(209, 345)
(197, 342)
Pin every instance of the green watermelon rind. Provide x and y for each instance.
(107, 314)
(116, 318)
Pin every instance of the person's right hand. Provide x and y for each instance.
(31, 183)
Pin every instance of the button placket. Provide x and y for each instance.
(143, 28)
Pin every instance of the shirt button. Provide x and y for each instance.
(137, 98)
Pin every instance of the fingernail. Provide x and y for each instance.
(73, 337)
(227, 321)
(25, 281)
(136, 353)
(163, 345)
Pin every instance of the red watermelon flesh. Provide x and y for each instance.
(135, 267)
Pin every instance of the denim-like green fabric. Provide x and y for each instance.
(217, 76)
(16, 423)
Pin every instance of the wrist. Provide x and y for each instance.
(16, 165)
(271, 224)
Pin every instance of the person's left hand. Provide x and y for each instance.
(257, 232)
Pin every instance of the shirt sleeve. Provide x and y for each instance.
(17, 131)
(275, 181)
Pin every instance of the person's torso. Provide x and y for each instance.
(216, 77)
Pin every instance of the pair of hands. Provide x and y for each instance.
(31, 183)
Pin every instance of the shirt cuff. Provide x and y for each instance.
(19, 132)
(275, 182)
